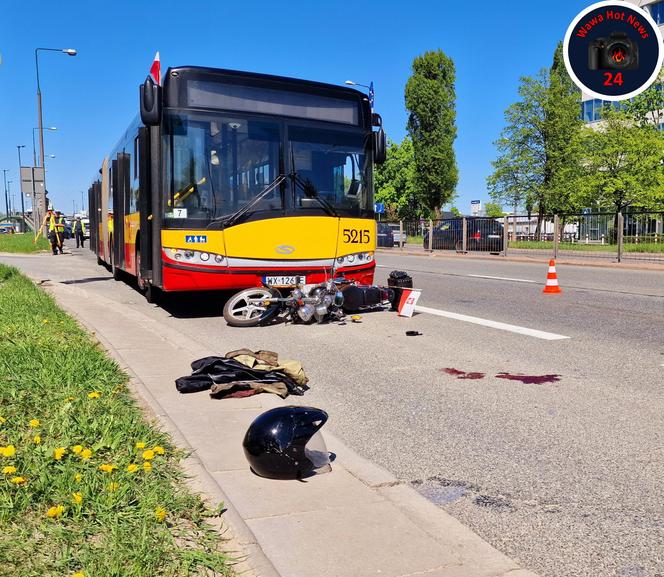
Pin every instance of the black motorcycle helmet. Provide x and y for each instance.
(285, 443)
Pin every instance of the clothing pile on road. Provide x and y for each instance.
(244, 373)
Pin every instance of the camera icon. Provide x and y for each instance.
(617, 52)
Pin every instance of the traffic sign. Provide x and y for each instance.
(32, 180)
(379, 208)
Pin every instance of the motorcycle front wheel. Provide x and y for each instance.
(244, 309)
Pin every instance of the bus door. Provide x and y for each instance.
(120, 176)
(145, 241)
(102, 212)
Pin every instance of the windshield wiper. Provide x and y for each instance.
(230, 219)
(309, 189)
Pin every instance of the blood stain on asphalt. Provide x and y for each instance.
(462, 374)
(529, 379)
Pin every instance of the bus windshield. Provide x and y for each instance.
(217, 166)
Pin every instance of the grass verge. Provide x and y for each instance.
(645, 247)
(22, 243)
(87, 486)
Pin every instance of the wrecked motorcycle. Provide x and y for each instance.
(305, 304)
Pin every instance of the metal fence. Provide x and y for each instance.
(616, 237)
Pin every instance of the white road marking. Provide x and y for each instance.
(493, 324)
(502, 278)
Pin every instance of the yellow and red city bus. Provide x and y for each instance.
(229, 180)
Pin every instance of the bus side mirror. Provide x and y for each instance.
(150, 94)
(379, 146)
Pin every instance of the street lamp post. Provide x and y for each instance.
(34, 148)
(4, 177)
(370, 87)
(42, 199)
(9, 196)
(18, 147)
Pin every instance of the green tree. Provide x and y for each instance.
(623, 164)
(562, 139)
(430, 100)
(493, 210)
(518, 171)
(455, 211)
(648, 107)
(539, 150)
(394, 182)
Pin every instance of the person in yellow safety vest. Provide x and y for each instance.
(78, 228)
(56, 230)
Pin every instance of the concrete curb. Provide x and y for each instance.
(589, 262)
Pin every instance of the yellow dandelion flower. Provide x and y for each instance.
(18, 480)
(34, 423)
(79, 574)
(76, 449)
(148, 455)
(140, 445)
(85, 454)
(2, 420)
(9, 470)
(56, 511)
(147, 466)
(160, 514)
(8, 451)
(59, 453)
(158, 450)
(77, 498)
(78, 477)
(70, 399)
(113, 486)
(94, 395)
(107, 468)
(132, 468)
(36, 439)
(45, 321)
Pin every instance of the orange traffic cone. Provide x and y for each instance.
(552, 285)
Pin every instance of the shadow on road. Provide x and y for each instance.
(87, 280)
(193, 305)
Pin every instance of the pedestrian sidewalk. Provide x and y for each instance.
(356, 521)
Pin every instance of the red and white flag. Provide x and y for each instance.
(155, 69)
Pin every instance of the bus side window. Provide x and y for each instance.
(134, 187)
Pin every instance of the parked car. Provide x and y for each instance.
(399, 237)
(482, 234)
(384, 235)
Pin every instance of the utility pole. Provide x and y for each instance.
(4, 177)
(18, 147)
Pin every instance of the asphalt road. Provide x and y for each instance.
(553, 451)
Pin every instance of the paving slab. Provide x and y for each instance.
(358, 541)
(331, 490)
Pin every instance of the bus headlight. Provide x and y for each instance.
(355, 259)
(195, 256)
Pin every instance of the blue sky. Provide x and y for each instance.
(92, 97)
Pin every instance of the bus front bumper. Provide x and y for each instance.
(177, 276)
